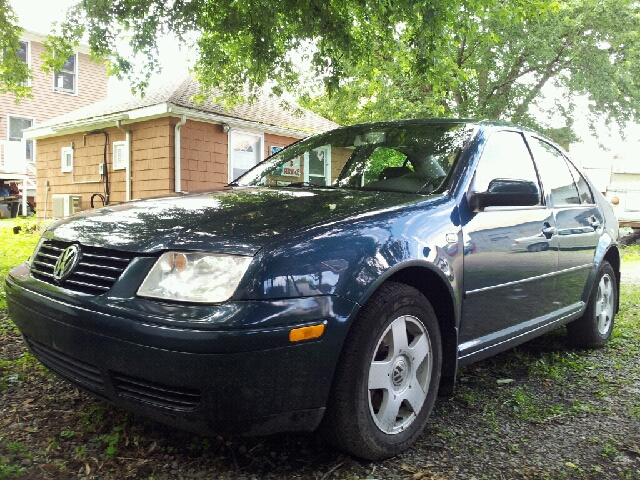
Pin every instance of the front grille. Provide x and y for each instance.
(95, 273)
(74, 370)
(165, 396)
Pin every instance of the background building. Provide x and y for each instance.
(81, 82)
(165, 143)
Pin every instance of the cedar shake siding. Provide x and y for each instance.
(203, 152)
(46, 103)
(151, 165)
(203, 156)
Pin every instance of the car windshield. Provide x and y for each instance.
(411, 157)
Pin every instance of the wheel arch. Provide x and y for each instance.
(440, 296)
(613, 257)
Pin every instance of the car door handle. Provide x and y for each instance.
(549, 231)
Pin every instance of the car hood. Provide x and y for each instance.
(235, 221)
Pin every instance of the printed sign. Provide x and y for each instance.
(291, 168)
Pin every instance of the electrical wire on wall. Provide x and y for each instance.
(105, 168)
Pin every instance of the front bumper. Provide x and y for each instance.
(203, 378)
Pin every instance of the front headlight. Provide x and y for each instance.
(194, 277)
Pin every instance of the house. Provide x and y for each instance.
(165, 143)
(81, 82)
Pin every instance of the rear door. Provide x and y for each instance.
(578, 220)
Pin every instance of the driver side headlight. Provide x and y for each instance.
(194, 277)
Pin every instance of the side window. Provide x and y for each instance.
(583, 188)
(505, 156)
(556, 176)
(16, 126)
(65, 81)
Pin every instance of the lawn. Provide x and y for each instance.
(16, 248)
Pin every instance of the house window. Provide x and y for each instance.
(16, 126)
(23, 52)
(120, 155)
(245, 152)
(65, 81)
(67, 159)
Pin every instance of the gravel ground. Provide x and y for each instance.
(543, 410)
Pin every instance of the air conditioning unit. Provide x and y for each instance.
(65, 205)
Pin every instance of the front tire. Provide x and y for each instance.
(594, 328)
(387, 378)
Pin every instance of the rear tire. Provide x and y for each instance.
(387, 377)
(594, 328)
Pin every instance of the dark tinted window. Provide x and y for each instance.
(505, 156)
(583, 188)
(555, 173)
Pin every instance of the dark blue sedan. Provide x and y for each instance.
(337, 285)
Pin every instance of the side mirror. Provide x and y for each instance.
(505, 192)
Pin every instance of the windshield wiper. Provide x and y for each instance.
(308, 184)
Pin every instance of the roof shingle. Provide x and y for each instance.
(265, 110)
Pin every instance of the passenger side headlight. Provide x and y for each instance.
(194, 277)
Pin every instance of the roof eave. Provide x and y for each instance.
(156, 111)
(234, 122)
(32, 36)
(98, 122)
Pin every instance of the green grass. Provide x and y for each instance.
(631, 253)
(16, 248)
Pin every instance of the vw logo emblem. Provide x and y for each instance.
(67, 260)
(399, 372)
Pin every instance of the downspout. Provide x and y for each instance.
(127, 181)
(176, 145)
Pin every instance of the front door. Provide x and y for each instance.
(509, 262)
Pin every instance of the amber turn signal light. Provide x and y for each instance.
(615, 200)
(306, 333)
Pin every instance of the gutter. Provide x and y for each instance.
(157, 111)
(90, 122)
(127, 182)
(176, 146)
(237, 122)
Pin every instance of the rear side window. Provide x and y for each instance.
(583, 187)
(555, 173)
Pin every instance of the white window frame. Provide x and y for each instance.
(32, 160)
(64, 167)
(122, 163)
(75, 77)
(327, 165)
(230, 149)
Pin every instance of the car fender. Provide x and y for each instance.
(607, 249)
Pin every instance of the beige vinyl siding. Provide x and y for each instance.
(47, 104)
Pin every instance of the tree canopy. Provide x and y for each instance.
(376, 60)
(495, 61)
